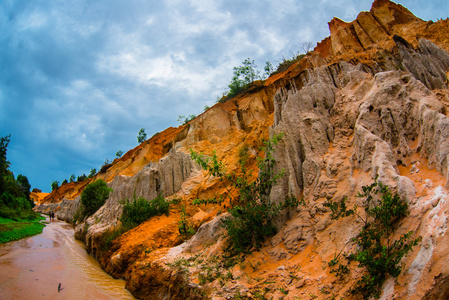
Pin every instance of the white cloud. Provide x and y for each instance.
(88, 74)
(272, 40)
(34, 20)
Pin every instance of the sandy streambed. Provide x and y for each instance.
(34, 268)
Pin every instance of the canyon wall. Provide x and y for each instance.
(371, 101)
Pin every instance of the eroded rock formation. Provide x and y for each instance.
(370, 101)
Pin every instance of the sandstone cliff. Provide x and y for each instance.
(370, 101)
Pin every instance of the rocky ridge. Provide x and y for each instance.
(371, 100)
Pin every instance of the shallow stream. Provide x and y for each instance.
(53, 265)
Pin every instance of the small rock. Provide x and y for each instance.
(425, 209)
(435, 201)
(281, 268)
(300, 283)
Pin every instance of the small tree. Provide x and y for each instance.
(141, 136)
(268, 69)
(93, 197)
(25, 185)
(92, 172)
(81, 178)
(72, 178)
(118, 154)
(183, 120)
(54, 185)
(244, 75)
(4, 164)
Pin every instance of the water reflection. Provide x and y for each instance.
(33, 268)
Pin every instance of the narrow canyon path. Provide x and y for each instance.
(34, 268)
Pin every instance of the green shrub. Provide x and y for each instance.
(139, 209)
(15, 202)
(244, 75)
(249, 225)
(93, 197)
(185, 228)
(111, 235)
(92, 172)
(376, 252)
(288, 62)
(251, 219)
(54, 185)
(141, 136)
(18, 214)
(81, 178)
(135, 212)
(183, 120)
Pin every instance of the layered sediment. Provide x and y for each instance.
(371, 101)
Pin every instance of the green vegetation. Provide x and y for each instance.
(17, 220)
(141, 136)
(185, 228)
(11, 230)
(92, 172)
(135, 212)
(244, 76)
(92, 198)
(139, 210)
(14, 193)
(183, 120)
(55, 185)
(73, 178)
(376, 252)
(81, 178)
(251, 219)
(288, 62)
(118, 154)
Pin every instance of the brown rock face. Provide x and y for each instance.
(371, 30)
(370, 101)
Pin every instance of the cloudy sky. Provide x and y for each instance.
(78, 79)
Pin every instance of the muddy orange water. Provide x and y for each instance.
(33, 268)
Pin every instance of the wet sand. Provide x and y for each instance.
(33, 268)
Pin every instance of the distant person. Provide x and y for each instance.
(53, 215)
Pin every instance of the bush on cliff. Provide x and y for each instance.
(244, 76)
(139, 210)
(376, 252)
(93, 197)
(135, 212)
(251, 219)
